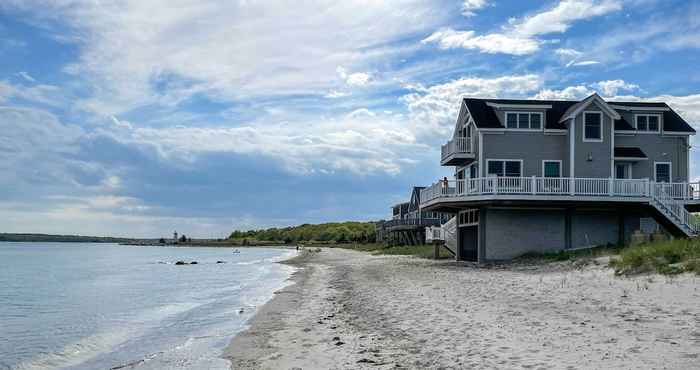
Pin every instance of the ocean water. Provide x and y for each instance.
(105, 306)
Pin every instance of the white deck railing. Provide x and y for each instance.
(557, 186)
(669, 198)
(458, 145)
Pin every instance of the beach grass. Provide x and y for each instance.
(566, 255)
(422, 251)
(664, 257)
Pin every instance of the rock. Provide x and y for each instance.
(366, 361)
(339, 343)
(179, 263)
(193, 263)
(335, 338)
(241, 311)
(220, 261)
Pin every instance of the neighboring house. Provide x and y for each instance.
(536, 175)
(408, 223)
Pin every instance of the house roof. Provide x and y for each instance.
(629, 152)
(485, 117)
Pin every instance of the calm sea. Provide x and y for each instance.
(104, 306)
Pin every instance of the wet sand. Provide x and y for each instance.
(352, 310)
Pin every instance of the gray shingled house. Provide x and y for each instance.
(536, 175)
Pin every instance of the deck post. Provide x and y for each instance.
(572, 186)
(533, 185)
(611, 191)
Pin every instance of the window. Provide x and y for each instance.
(662, 171)
(524, 120)
(592, 126)
(623, 171)
(551, 168)
(506, 168)
(648, 122)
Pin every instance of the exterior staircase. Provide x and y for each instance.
(673, 212)
(447, 233)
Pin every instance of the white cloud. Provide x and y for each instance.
(470, 6)
(568, 93)
(613, 87)
(26, 76)
(560, 18)
(608, 89)
(568, 53)
(493, 43)
(433, 110)
(44, 94)
(333, 94)
(582, 63)
(135, 53)
(354, 79)
(519, 36)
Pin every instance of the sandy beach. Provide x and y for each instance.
(352, 310)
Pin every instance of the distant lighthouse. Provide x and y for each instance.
(175, 237)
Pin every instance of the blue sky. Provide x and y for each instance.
(138, 118)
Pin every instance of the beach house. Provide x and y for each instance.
(408, 222)
(545, 175)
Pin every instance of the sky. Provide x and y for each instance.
(138, 118)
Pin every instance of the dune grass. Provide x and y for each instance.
(422, 251)
(566, 255)
(665, 257)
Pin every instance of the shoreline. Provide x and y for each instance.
(353, 310)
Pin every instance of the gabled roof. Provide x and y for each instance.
(485, 117)
(577, 108)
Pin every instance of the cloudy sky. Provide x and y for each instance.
(137, 118)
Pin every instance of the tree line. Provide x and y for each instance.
(335, 232)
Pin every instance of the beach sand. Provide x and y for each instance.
(352, 310)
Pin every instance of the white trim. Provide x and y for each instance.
(518, 106)
(518, 113)
(658, 128)
(670, 171)
(630, 159)
(687, 162)
(586, 102)
(561, 169)
(572, 148)
(555, 132)
(681, 133)
(481, 154)
(612, 149)
(504, 165)
(628, 171)
(496, 130)
(583, 127)
(630, 108)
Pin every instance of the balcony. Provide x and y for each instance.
(410, 223)
(457, 152)
(549, 188)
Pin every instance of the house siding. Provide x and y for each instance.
(658, 148)
(599, 165)
(521, 145)
(513, 232)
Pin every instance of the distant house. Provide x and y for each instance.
(542, 175)
(408, 223)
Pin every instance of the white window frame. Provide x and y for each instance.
(628, 170)
(504, 165)
(505, 120)
(670, 171)
(561, 169)
(583, 127)
(658, 129)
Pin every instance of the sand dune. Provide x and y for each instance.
(350, 310)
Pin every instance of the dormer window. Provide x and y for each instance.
(524, 120)
(648, 122)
